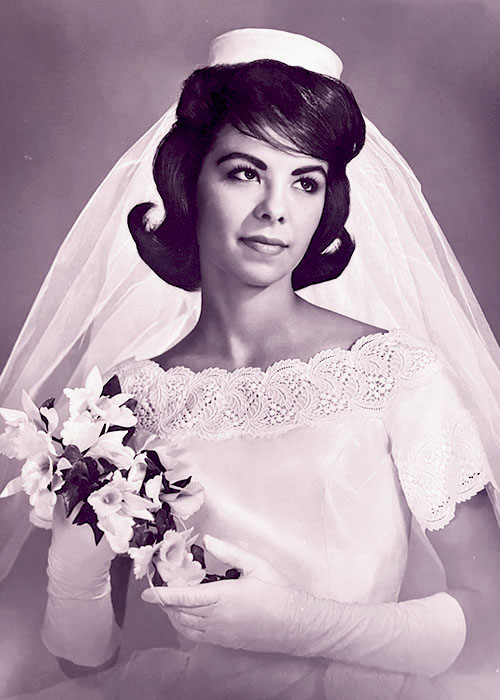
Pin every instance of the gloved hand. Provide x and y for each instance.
(260, 611)
(79, 622)
(255, 612)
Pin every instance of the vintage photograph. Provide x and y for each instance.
(250, 387)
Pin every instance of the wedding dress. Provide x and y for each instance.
(318, 467)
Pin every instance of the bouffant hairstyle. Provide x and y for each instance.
(316, 114)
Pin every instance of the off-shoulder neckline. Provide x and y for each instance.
(294, 361)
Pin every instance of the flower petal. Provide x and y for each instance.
(118, 530)
(13, 417)
(142, 559)
(93, 384)
(81, 431)
(43, 502)
(14, 486)
(187, 502)
(52, 418)
(31, 409)
(152, 488)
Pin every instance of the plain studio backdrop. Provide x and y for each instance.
(83, 79)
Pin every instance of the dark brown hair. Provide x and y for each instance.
(317, 114)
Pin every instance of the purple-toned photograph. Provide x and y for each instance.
(250, 372)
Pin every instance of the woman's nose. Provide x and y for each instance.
(271, 207)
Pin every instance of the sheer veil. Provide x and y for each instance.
(100, 304)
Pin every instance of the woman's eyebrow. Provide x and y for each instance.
(309, 169)
(236, 154)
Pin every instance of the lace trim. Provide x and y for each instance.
(218, 404)
(444, 470)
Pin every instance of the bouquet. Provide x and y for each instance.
(112, 475)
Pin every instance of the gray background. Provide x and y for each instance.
(83, 79)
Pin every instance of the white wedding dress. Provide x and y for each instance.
(320, 467)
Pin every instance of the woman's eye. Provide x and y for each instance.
(307, 184)
(244, 173)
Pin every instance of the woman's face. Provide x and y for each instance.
(258, 208)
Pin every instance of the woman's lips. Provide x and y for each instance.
(268, 246)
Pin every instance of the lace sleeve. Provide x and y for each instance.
(436, 448)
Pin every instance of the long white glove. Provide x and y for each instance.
(79, 622)
(261, 612)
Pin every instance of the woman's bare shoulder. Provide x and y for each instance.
(331, 329)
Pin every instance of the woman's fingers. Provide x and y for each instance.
(199, 611)
(249, 564)
(188, 597)
(231, 554)
(186, 621)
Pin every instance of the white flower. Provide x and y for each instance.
(31, 410)
(52, 417)
(174, 561)
(153, 488)
(108, 409)
(119, 491)
(168, 455)
(118, 530)
(23, 439)
(186, 502)
(143, 438)
(26, 438)
(176, 467)
(111, 447)
(116, 505)
(82, 431)
(83, 399)
(106, 501)
(37, 475)
(43, 503)
(142, 558)
(137, 472)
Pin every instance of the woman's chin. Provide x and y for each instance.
(264, 278)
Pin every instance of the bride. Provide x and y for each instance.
(322, 432)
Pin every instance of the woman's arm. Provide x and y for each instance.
(260, 612)
(79, 624)
(469, 549)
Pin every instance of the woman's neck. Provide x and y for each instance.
(245, 324)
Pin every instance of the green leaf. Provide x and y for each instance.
(87, 516)
(128, 435)
(167, 488)
(144, 534)
(210, 578)
(131, 404)
(157, 579)
(198, 554)
(112, 387)
(71, 497)
(232, 573)
(164, 520)
(72, 454)
(154, 461)
(182, 483)
(49, 403)
(105, 466)
(92, 469)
